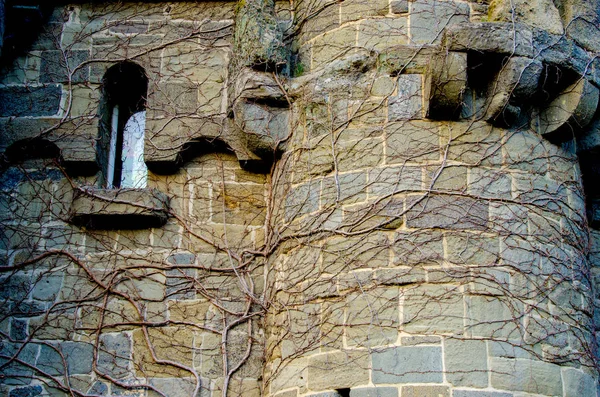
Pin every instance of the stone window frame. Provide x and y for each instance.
(122, 113)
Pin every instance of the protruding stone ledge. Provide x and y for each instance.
(75, 139)
(573, 109)
(119, 208)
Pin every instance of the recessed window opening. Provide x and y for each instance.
(123, 113)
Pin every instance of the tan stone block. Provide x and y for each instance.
(353, 10)
(192, 311)
(84, 100)
(169, 344)
(381, 34)
(333, 44)
(242, 204)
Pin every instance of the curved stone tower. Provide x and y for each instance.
(432, 215)
(299, 198)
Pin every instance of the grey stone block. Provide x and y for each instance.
(530, 376)
(78, 357)
(47, 286)
(374, 392)
(429, 18)
(392, 180)
(302, 200)
(500, 38)
(18, 329)
(421, 364)
(182, 258)
(466, 362)
(54, 67)
(490, 183)
(15, 287)
(578, 383)
(21, 101)
(114, 355)
(15, 373)
(29, 391)
(447, 212)
(478, 393)
(399, 6)
(413, 141)
(408, 103)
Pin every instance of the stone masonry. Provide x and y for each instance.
(344, 198)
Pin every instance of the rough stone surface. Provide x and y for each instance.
(526, 375)
(541, 14)
(408, 365)
(30, 101)
(466, 363)
(429, 19)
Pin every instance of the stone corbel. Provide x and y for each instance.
(74, 139)
(568, 113)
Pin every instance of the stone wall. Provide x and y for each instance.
(173, 310)
(345, 198)
(433, 242)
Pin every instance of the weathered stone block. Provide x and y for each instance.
(501, 38)
(114, 355)
(572, 110)
(541, 14)
(447, 212)
(479, 393)
(302, 200)
(169, 344)
(466, 362)
(473, 143)
(420, 364)
(425, 391)
(370, 33)
(445, 83)
(353, 155)
(374, 392)
(493, 317)
(372, 319)
(16, 373)
(47, 286)
(432, 309)
(578, 383)
(408, 103)
(399, 6)
(336, 370)
(30, 101)
(418, 247)
(332, 45)
(345, 188)
(429, 18)
(353, 10)
(490, 183)
(28, 391)
(412, 141)
(391, 180)
(62, 67)
(78, 358)
(530, 376)
(111, 209)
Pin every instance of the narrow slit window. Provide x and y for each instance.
(123, 113)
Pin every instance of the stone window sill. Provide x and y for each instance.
(119, 208)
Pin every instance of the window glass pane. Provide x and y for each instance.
(134, 172)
